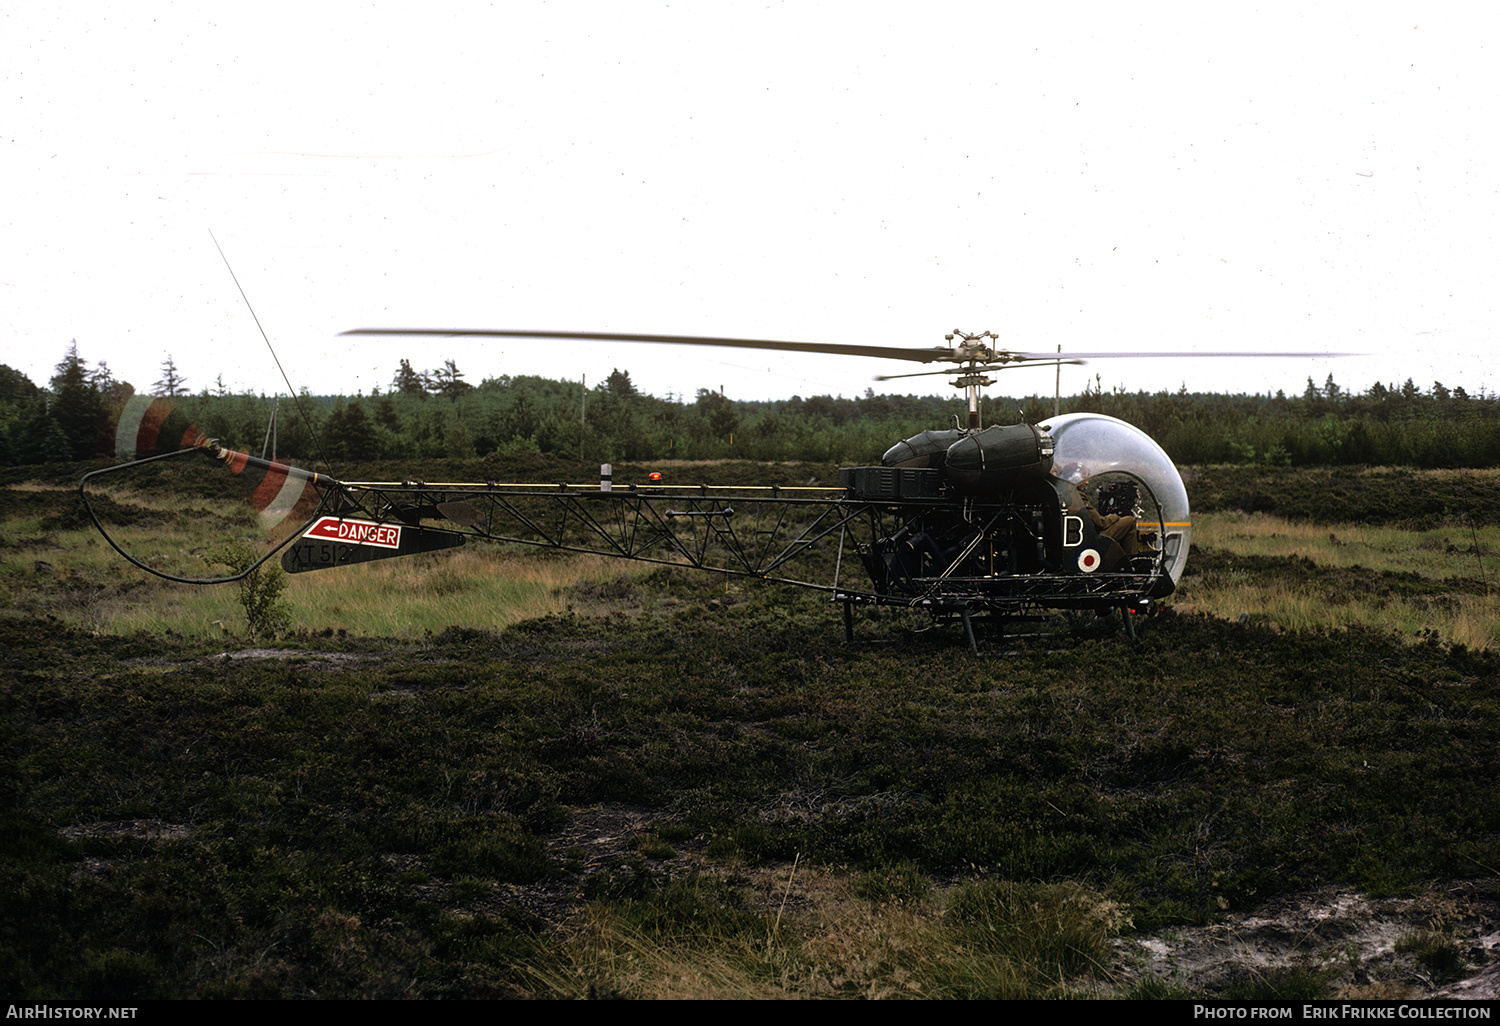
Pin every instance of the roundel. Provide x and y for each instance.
(1088, 561)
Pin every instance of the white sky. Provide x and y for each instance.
(1101, 176)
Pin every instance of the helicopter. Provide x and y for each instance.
(1080, 513)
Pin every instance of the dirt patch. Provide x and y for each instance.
(1348, 940)
(139, 829)
(312, 659)
(323, 659)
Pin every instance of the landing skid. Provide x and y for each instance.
(994, 627)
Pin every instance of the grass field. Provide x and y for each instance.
(1415, 583)
(600, 780)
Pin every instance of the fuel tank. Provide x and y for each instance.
(998, 457)
(981, 462)
(927, 451)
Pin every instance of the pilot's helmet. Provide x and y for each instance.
(1074, 473)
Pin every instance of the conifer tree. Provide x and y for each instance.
(449, 381)
(619, 384)
(77, 410)
(408, 381)
(171, 384)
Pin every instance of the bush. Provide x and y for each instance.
(260, 590)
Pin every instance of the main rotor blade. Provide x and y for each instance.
(981, 370)
(1218, 353)
(930, 355)
(838, 348)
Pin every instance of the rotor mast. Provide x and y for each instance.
(972, 352)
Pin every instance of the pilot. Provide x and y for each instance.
(1117, 528)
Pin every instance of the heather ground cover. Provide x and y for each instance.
(678, 788)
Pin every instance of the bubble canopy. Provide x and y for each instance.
(1089, 445)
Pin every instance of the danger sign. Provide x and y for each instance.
(356, 532)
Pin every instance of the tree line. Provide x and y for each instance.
(431, 414)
